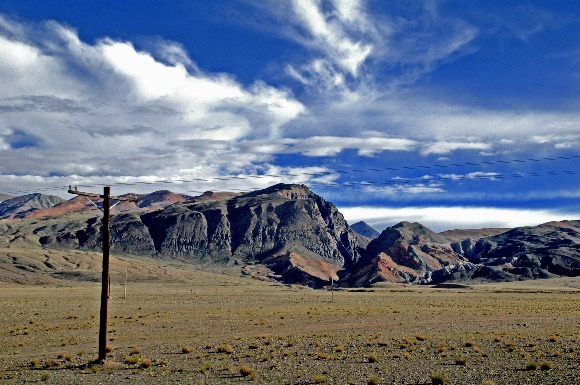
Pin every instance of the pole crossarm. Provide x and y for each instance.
(92, 195)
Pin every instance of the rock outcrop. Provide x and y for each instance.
(402, 253)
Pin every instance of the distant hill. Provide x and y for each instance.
(365, 230)
(19, 206)
(410, 252)
(289, 234)
(153, 201)
(3, 197)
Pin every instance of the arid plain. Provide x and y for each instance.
(181, 325)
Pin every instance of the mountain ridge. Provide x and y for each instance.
(299, 237)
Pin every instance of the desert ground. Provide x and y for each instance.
(182, 325)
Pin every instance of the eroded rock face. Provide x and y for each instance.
(220, 228)
(403, 253)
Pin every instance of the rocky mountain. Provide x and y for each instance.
(402, 253)
(288, 233)
(410, 252)
(20, 206)
(550, 249)
(365, 230)
(277, 226)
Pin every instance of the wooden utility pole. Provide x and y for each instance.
(105, 282)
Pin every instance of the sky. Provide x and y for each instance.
(455, 114)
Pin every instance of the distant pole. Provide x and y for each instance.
(332, 288)
(125, 296)
(105, 276)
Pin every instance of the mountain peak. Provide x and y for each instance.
(365, 230)
(289, 191)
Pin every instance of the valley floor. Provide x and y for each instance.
(213, 328)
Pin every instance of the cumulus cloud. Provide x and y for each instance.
(107, 108)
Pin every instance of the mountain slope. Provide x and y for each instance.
(19, 206)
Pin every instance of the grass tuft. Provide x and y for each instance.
(319, 379)
(225, 349)
(245, 371)
(438, 379)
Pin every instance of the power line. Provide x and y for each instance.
(358, 171)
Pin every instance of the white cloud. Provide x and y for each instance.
(447, 147)
(330, 145)
(446, 218)
(331, 32)
(558, 140)
(404, 189)
(113, 110)
(471, 175)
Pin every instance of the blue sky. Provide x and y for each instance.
(456, 114)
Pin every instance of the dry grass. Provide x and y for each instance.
(227, 321)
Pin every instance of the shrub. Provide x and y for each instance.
(488, 382)
(145, 363)
(546, 365)
(497, 339)
(134, 351)
(319, 379)
(186, 349)
(373, 358)
(245, 371)
(438, 379)
(35, 363)
(532, 366)
(205, 367)
(460, 360)
(225, 349)
(132, 359)
(374, 380)
(421, 337)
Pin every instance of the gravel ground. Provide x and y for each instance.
(229, 330)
